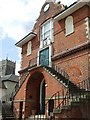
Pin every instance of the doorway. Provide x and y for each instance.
(42, 97)
(44, 57)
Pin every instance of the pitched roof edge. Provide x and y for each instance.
(28, 37)
(70, 9)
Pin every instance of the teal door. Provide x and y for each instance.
(43, 98)
(44, 57)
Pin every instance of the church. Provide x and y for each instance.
(54, 80)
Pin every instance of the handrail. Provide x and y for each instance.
(57, 97)
(16, 113)
(59, 70)
(85, 84)
(73, 97)
(63, 101)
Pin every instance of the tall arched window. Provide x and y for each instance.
(29, 46)
(69, 26)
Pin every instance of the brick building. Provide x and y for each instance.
(56, 63)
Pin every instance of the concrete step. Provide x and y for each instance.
(38, 117)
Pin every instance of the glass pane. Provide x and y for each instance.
(44, 57)
(42, 30)
(42, 37)
(47, 26)
(47, 34)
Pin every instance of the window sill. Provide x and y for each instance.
(69, 33)
(28, 54)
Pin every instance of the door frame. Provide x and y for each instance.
(41, 85)
(50, 54)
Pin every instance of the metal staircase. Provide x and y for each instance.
(66, 100)
(63, 78)
(63, 100)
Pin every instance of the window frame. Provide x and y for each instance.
(29, 48)
(49, 38)
(69, 25)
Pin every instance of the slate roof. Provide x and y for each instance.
(11, 77)
(2, 84)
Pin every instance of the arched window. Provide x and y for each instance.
(69, 25)
(29, 46)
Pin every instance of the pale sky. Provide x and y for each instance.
(17, 18)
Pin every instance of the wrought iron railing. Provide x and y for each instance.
(63, 100)
(58, 98)
(85, 84)
(60, 70)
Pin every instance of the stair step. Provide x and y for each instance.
(62, 79)
(37, 117)
(57, 111)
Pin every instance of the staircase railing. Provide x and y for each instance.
(58, 98)
(59, 70)
(85, 84)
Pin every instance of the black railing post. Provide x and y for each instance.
(20, 110)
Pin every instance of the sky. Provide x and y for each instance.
(17, 18)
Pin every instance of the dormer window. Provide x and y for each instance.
(46, 34)
(29, 46)
(69, 25)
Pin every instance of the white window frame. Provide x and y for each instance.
(29, 48)
(69, 25)
(89, 27)
(46, 41)
(50, 54)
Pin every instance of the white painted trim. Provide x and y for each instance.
(51, 39)
(38, 59)
(50, 54)
(69, 25)
(70, 10)
(27, 38)
(87, 23)
(29, 48)
(41, 93)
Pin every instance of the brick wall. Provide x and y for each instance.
(75, 63)
(29, 92)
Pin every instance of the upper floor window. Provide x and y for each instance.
(46, 33)
(29, 46)
(69, 25)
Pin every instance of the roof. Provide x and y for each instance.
(2, 84)
(27, 38)
(72, 8)
(11, 77)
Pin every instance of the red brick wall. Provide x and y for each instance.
(76, 65)
(77, 61)
(63, 42)
(30, 86)
(34, 54)
(54, 9)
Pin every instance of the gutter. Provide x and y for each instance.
(72, 8)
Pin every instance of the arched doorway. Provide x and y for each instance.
(42, 97)
(35, 95)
